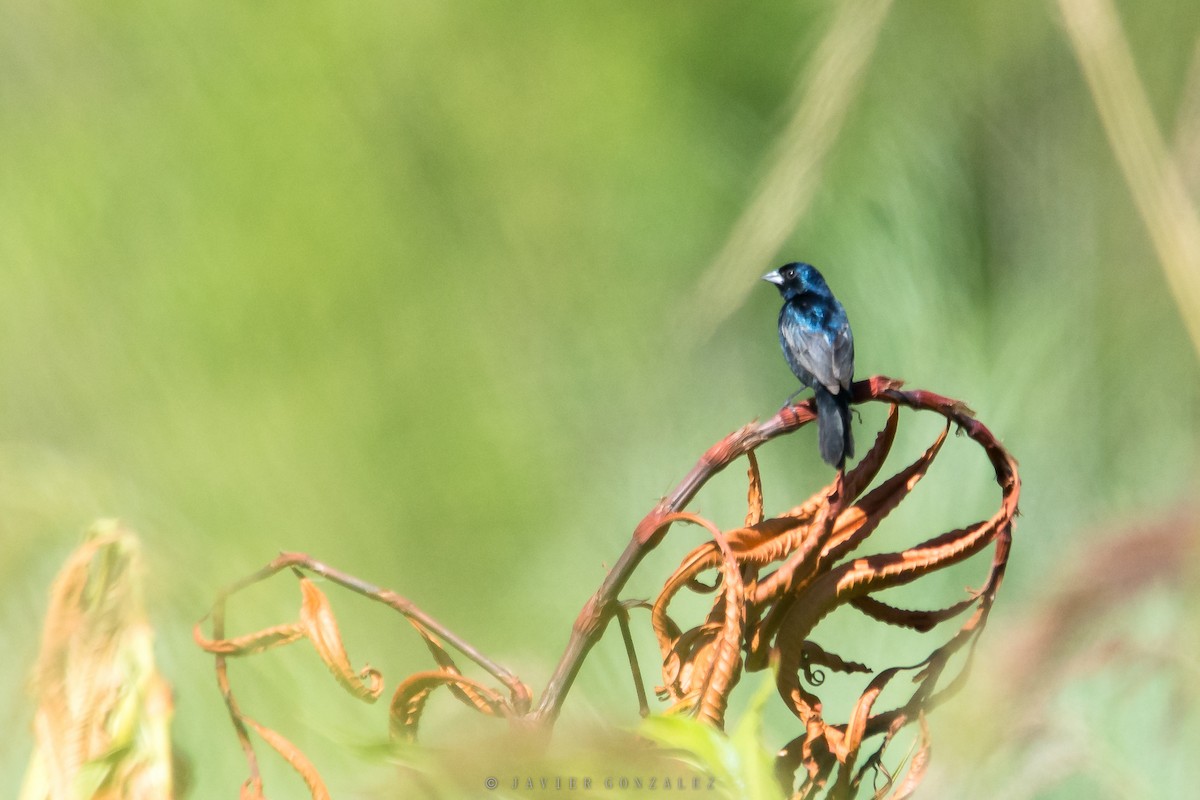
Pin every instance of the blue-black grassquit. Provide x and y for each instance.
(819, 347)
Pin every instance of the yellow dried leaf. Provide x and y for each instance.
(298, 761)
(250, 643)
(320, 625)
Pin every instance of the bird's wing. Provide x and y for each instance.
(812, 351)
(843, 357)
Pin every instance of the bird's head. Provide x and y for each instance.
(796, 279)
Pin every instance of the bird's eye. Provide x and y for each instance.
(788, 272)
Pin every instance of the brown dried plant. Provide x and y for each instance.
(103, 719)
(777, 578)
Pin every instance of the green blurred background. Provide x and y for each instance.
(412, 287)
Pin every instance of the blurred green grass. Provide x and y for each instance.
(394, 284)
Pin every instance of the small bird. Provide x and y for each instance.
(819, 347)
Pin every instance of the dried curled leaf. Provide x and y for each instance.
(321, 628)
(408, 702)
(250, 643)
(717, 664)
(102, 723)
(294, 757)
(319, 625)
(807, 557)
(918, 765)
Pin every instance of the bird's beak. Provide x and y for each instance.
(773, 277)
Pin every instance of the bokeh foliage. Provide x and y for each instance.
(398, 284)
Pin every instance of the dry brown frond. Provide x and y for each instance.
(776, 578)
(102, 725)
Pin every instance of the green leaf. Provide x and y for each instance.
(740, 762)
(757, 765)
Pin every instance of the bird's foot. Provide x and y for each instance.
(793, 396)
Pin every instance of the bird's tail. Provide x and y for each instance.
(835, 440)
